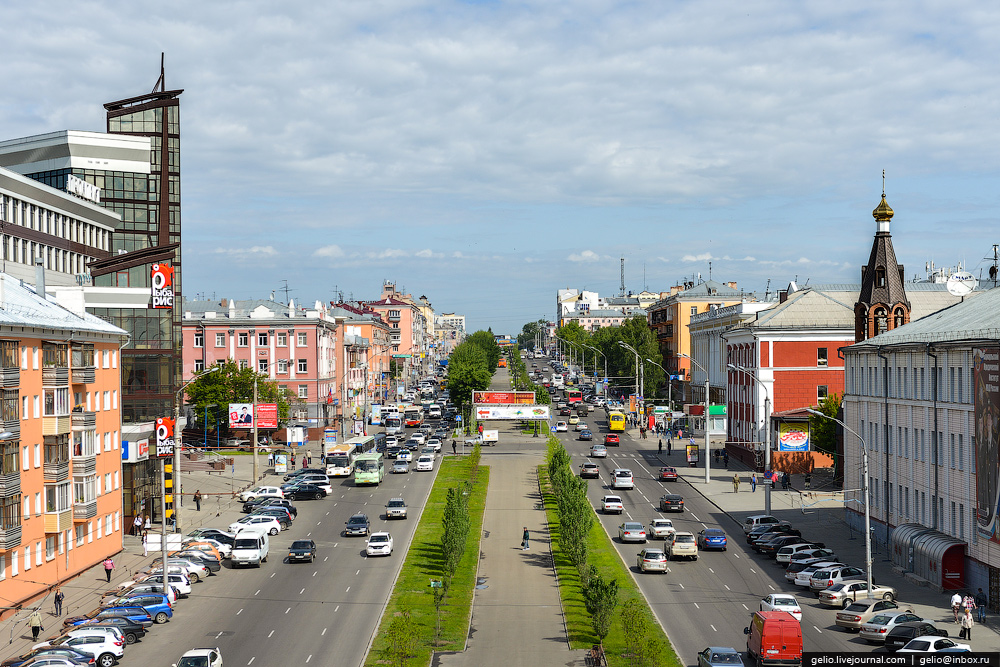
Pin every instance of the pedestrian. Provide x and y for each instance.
(659, 446)
(35, 623)
(524, 540)
(309, 458)
(454, 446)
(137, 524)
(58, 598)
(145, 543)
(736, 482)
(956, 604)
(303, 461)
(753, 482)
(197, 499)
(270, 459)
(146, 523)
(981, 602)
(725, 457)
(967, 624)
(108, 566)
(670, 445)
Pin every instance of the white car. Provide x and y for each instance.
(260, 524)
(201, 657)
(581, 426)
(434, 443)
(661, 528)
(598, 451)
(782, 602)
(104, 647)
(177, 581)
(933, 644)
(622, 479)
(561, 427)
(802, 578)
(391, 441)
(611, 504)
(379, 544)
(419, 437)
(262, 492)
(425, 463)
(405, 455)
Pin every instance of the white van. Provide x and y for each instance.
(434, 411)
(249, 548)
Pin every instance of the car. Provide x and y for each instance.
(425, 463)
(812, 554)
(260, 524)
(305, 492)
(135, 614)
(209, 545)
(651, 560)
(212, 533)
(770, 547)
(302, 550)
(259, 491)
(395, 509)
(612, 439)
(782, 602)
(404, 455)
(758, 520)
(131, 631)
(565, 410)
(621, 478)
(322, 481)
(138, 589)
(901, 633)
(671, 502)
(156, 604)
(428, 451)
(681, 544)
(391, 441)
(196, 571)
(712, 538)
(802, 577)
(845, 592)
(78, 657)
(823, 579)
(933, 644)
(358, 524)
(860, 612)
(419, 437)
(667, 474)
(590, 470)
(561, 427)
(434, 444)
(632, 531)
(102, 646)
(303, 471)
(279, 513)
(598, 451)
(581, 426)
(574, 420)
(785, 553)
(719, 656)
(201, 657)
(379, 544)
(878, 626)
(177, 580)
(660, 528)
(586, 434)
(401, 467)
(392, 451)
(611, 504)
(766, 533)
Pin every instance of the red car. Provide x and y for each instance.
(612, 439)
(668, 474)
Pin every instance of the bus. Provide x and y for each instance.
(574, 396)
(393, 423)
(339, 459)
(616, 421)
(502, 363)
(369, 469)
(414, 417)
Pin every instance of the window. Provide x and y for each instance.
(199, 339)
(282, 339)
(262, 365)
(961, 452)
(57, 402)
(80, 534)
(57, 497)
(243, 339)
(262, 340)
(220, 340)
(821, 356)
(694, 310)
(199, 365)
(244, 364)
(50, 547)
(282, 366)
(301, 337)
(302, 366)
(107, 400)
(38, 455)
(106, 358)
(303, 391)
(821, 392)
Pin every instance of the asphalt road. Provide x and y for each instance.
(304, 613)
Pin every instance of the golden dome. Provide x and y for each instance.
(882, 212)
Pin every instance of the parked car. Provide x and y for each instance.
(660, 528)
(785, 553)
(136, 614)
(845, 592)
(302, 550)
(934, 644)
(823, 579)
(260, 524)
(671, 502)
(358, 525)
(770, 547)
(803, 577)
(55, 651)
(795, 569)
(261, 491)
(611, 504)
(712, 538)
(681, 544)
(858, 613)
(668, 474)
(131, 631)
(874, 631)
(104, 648)
(782, 602)
(720, 656)
(201, 657)
(379, 544)
(156, 605)
(177, 580)
(813, 554)
(651, 560)
(632, 531)
(758, 520)
(901, 634)
(279, 513)
(590, 470)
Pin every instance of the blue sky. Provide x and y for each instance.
(485, 154)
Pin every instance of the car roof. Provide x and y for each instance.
(618, 498)
(632, 523)
(200, 651)
(380, 534)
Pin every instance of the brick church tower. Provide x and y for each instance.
(882, 304)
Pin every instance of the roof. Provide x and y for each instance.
(20, 306)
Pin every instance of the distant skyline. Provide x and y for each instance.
(486, 154)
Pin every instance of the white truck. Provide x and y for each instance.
(488, 437)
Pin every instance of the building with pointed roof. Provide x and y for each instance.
(882, 304)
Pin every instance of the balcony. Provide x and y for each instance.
(55, 376)
(57, 425)
(10, 378)
(84, 375)
(57, 522)
(10, 484)
(85, 465)
(84, 510)
(10, 538)
(14, 426)
(84, 421)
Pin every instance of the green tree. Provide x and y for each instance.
(469, 370)
(485, 341)
(600, 596)
(526, 339)
(456, 528)
(399, 639)
(636, 628)
(823, 432)
(232, 384)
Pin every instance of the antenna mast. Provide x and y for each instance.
(621, 291)
(162, 81)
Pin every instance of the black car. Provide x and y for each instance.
(358, 525)
(902, 633)
(770, 548)
(276, 502)
(279, 513)
(213, 534)
(762, 533)
(671, 502)
(392, 451)
(302, 550)
(305, 492)
(302, 471)
(133, 631)
(62, 651)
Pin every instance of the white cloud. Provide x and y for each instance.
(389, 253)
(427, 253)
(585, 256)
(257, 250)
(332, 251)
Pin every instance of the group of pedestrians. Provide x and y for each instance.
(963, 609)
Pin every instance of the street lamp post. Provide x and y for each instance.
(638, 370)
(767, 433)
(670, 402)
(178, 438)
(707, 440)
(864, 492)
(605, 366)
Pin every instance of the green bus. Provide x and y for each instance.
(369, 468)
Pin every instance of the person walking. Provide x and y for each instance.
(956, 604)
(146, 523)
(303, 461)
(981, 602)
(454, 446)
(736, 482)
(35, 623)
(725, 457)
(670, 445)
(58, 598)
(145, 543)
(967, 623)
(136, 525)
(108, 566)
(524, 540)
(197, 500)
(753, 482)
(659, 446)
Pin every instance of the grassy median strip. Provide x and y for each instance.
(424, 562)
(603, 555)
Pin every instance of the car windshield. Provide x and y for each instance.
(379, 538)
(194, 661)
(714, 533)
(633, 526)
(684, 538)
(785, 602)
(245, 544)
(726, 659)
(395, 503)
(655, 554)
(301, 544)
(356, 520)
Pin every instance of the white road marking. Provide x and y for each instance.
(335, 504)
(696, 605)
(335, 544)
(348, 590)
(753, 570)
(328, 514)
(324, 630)
(251, 661)
(258, 592)
(704, 526)
(315, 573)
(727, 587)
(272, 574)
(357, 573)
(680, 584)
(326, 558)
(218, 635)
(336, 609)
(309, 534)
(711, 570)
(818, 630)
(713, 627)
(288, 610)
(318, 522)
(309, 658)
(239, 612)
(737, 555)
(304, 590)
(770, 586)
(746, 607)
(343, 495)
(270, 634)
(696, 518)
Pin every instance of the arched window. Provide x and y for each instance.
(881, 320)
(898, 318)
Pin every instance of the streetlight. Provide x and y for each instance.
(767, 433)
(864, 492)
(605, 366)
(670, 391)
(178, 438)
(638, 370)
(707, 441)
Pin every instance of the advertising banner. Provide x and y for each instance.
(267, 415)
(164, 437)
(329, 436)
(240, 415)
(529, 412)
(504, 397)
(162, 281)
(793, 437)
(280, 463)
(376, 415)
(986, 416)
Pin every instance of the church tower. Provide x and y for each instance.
(882, 304)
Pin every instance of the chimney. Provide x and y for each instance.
(782, 295)
(40, 277)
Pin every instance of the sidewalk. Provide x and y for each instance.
(820, 516)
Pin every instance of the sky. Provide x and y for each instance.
(485, 154)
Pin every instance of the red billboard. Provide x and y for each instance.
(165, 436)
(504, 397)
(162, 279)
(267, 415)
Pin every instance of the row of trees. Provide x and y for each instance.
(471, 367)
(211, 394)
(521, 381)
(620, 362)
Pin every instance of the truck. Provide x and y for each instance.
(488, 437)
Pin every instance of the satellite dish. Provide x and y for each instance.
(961, 283)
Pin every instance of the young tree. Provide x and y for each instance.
(635, 627)
(600, 596)
(232, 384)
(399, 639)
(456, 528)
(823, 432)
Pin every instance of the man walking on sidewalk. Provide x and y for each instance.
(736, 482)
(35, 623)
(981, 602)
(58, 598)
(524, 540)
(753, 482)
(956, 604)
(197, 499)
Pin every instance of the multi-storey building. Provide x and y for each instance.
(407, 329)
(60, 449)
(452, 320)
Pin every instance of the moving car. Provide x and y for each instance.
(573, 420)
(901, 634)
(561, 427)
(622, 479)
(933, 644)
(719, 656)
(302, 550)
(846, 592)
(651, 560)
(586, 435)
(379, 544)
(680, 545)
(631, 531)
(858, 613)
(612, 439)
(774, 638)
(582, 426)
(671, 502)
(400, 467)
(667, 474)
(358, 525)
(660, 528)
(598, 451)
(201, 657)
(712, 538)
(425, 463)
(782, 602)
(590, 470)
(611, 504)
(304, 491)
(395, 509)
(878, 626)
(404, 455)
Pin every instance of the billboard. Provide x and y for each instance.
(376, 415)
(164, 437)
(162, 281)
(986, 380)
(267, 415)
(504, 397)
(240, 415)
(793, 437)
(529, 412)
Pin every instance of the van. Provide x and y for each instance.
(249, 548)
(774, 638)
(756, 520)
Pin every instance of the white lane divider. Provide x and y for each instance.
(753, 571)
(348, 590)
(304, 590)
(696, 605)
(818, 630)
(220, 634)
(324, 630)
(272, 575)
(239, 612)
(680, 584)
(251, 661)
(258, 592)
(357, 573)
(727, 587)
(335, 544)
(309, 658)
(315, 573)
(713, 627)
(328, 514)
(711, 570)
(337, 608)
(746, 607)
(288, 610)
(326, 558)
(770, 586)
(629, 515)
(270, 634)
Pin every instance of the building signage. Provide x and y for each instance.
(267, 415)
(376, 414)
(527, 412)
(793, 437)
(134, 451)
(240, 415)
(162, 281)
(329, 436)
(504, 397)
(164, 437)
(81, 188)
(986, 417)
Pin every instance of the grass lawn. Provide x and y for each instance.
(604, 556)
(424, 562)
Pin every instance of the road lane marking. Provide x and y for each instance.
(335, 545)
(335, 504)
(348, 590)
(680, 584)
(713, 627)
(343, 495)
(746, 607)
(324, 630)
(696, 605)
(357, 573)
(696, 518)
(337, 608)
(770, 586)
(272, 574)
(251, 661)
(711, 570)
(309, 534)
(315, 573)
(270, 634)
(818, 630)
(288, 610)
(318, 522)
(753, 570)
(727, 587)
(304, 590)
(258, 592)
(328, 514)
(309, 658)
(737, 555)
(219, 635)
(703, 525)
(239, 612)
